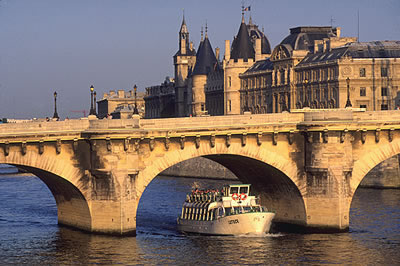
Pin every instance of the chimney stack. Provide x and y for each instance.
(227, 50)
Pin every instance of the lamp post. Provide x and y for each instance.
(91, 112)
(306, 103)
(348, 102)
(55, 115)
(135, 110)
(94, 104)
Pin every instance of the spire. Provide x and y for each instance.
(241, 45)
(242, 12)
(201, 34)
(183, 26)
(205, 58)
(250, 20)
(206, 30)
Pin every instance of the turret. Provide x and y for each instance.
(205, 63)
(184, 61)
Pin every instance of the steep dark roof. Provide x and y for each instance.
(254, 34)
(241, 45)
(302, 38)
(261, 65)
(205, 60)
(377, 49)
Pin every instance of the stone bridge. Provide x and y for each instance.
(306, 164)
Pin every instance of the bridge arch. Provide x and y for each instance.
(64, 182)
(370, 159)
(273, 176)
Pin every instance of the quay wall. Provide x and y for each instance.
(384, 175)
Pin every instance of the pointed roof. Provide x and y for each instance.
(206, 59)
(184, 28)
(241, 45)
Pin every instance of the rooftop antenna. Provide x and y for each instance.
(358, 25)
(331, 21)
(242, 11)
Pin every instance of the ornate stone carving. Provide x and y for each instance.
(126, 143)
(23, 147)
(291, 137)
(212, 141)
(75, 144)
(325, 136)
(377, 134)
(182, 142)
(259, 136)
(228, 140)
(309, 136)
(58, 146)
(151, 143)
(137, 144)
(244, 138)
(363, 135)
(197, 141)
(167, 142)
(41, 146)
(275, 138)
(343, 135)
(6, 148)
(108, 144)
(390, 134)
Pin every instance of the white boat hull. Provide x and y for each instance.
(238, 224)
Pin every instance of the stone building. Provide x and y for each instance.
(120, 104)
(314, 67)
(203, 84)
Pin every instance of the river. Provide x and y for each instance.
(29, 233)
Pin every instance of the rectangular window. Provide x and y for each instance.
(384, 91)
(363, 106)
(384, 107)
(362, 72)
(384, 72)
(363, 92)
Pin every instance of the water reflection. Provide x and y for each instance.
(29, 233)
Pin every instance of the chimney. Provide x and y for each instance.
(191, 46)
(217, 53)
(258, 49)
(337, 31)
(121, 94)
(227, 50)
(112, 93)
(105, 95)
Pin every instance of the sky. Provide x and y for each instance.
(67, 46)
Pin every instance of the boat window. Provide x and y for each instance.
(234, 190)
(244, 190)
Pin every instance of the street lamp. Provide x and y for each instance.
(135, 110)
(348, 102)
(55, 115)
(94, 104)
(91, 112)
(306, 102)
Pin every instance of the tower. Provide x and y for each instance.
(184, 61)
(236, 61)
(205, 63)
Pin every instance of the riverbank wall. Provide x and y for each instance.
(384, 175)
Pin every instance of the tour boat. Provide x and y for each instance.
(232, 211)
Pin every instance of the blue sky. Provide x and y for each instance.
(48, 45)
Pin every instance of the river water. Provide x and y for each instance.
(29, 233)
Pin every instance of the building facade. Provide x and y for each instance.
(204, 84)
(120, 104)
(313, 67)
